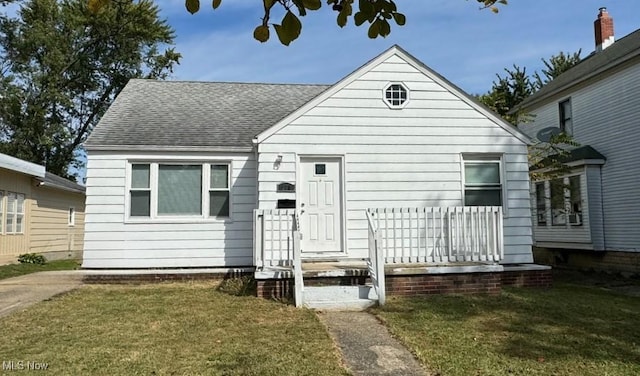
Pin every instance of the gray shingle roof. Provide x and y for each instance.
(620, 51)
(196, 114)
(55, 181)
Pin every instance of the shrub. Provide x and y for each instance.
(32, 258)
(238, 286)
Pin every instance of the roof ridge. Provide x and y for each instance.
(227, 82)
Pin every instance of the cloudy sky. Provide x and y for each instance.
(453, 37)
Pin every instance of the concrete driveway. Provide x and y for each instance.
(20, 292)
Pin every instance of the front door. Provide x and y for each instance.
(321, 205)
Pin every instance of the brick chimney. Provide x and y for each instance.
(604, 30)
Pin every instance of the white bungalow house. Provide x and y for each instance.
(391, 159)
(590, 217)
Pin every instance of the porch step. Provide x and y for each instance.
(340, 298)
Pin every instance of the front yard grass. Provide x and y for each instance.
(168, 329)
(572, 329)
(15, 270)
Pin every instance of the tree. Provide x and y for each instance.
(377, 13)
(61, 67)
(555, 66)
(509, 91)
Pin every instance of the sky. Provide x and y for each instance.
(466, 45)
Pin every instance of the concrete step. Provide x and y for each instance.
(340, 298)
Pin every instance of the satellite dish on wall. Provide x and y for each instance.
(545, 134)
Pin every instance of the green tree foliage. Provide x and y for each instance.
(377, 14)
(61, 67)
(507, 92)
(555, 66)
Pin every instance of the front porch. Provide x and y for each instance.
(408, 251)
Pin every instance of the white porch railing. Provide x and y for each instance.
(440, 235)
(376, 261)
(273, 237)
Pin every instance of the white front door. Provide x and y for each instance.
(321, 205)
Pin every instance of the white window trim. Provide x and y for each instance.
(15, 214)
(2, 207)
(153, 186)
(486, 158)
(384, 95)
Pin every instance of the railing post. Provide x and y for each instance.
(500, 236)
(297, 270)
(258, 247)
(380, 276)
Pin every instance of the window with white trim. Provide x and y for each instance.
(541, 204)
(15, 213)
(219, 193)
(179, 190)
(1, 212)
(71, 219)
(564, 200)
(482, 182)
(566, 116)
(396, 95)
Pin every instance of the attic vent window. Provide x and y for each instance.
(396, 95)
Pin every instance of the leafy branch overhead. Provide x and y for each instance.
(378, 14)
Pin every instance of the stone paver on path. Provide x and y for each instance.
(367, 347)
(20, 292)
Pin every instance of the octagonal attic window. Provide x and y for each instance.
(396, 95)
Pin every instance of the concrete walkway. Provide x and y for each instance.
(20, 292)
(367, 347)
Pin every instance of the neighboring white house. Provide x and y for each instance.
(597, 205)
(176, 170)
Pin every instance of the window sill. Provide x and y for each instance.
(176, 220)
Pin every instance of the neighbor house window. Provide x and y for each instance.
(71, 220)
(541, 204)
(15, 213)
(191, 190)
(566, 201)
(1, 212)
(396, 95)
(575, 200)
(566, 120)
(482, 182)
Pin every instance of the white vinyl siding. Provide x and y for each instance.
(113, 241)
(400, 158)
(605, 115)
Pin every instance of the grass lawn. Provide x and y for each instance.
(572, 329)
(14, 270)
(168, 329)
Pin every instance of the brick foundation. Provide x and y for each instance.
(529, 278)
(421, 284)
(427, 284)
(625, 263)
(160, 276)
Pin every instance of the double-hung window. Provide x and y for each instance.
(15, 213)
(482, 182)
(566, 117)
(179, 190)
